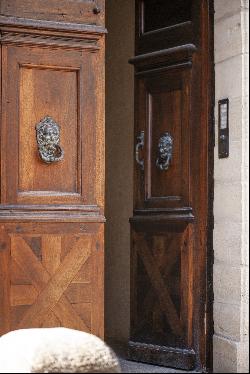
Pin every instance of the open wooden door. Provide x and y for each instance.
(52, 164)
(171, 229)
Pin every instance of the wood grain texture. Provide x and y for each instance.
(75, 11)
(50, 294)
(45, 87)
(52, 91)
(51, 239)
(5, 316)
(170, 254)
(22, 295)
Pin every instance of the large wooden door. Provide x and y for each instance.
(52, 142)
(171, 229)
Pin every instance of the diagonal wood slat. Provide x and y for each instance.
(165, 264)
(51, 288)
(51, 321)
(161, 290)
(28, 262)
(18, 277)
(69, 317)
(51, 252)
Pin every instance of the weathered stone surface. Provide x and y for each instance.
(231, 204)
(56, 350)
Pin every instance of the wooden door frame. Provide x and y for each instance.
(210, 228)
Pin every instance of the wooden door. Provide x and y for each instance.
(171, 254)
(51, 212)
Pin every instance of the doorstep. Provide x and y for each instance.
(136, 367)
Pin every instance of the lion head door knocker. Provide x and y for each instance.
(165, 152)
(48, 139)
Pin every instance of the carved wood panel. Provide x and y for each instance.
(164, 109)
(51, 279)
(168, 105)
(59, 86)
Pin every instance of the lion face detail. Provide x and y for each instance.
(165, 152)
(48, 139)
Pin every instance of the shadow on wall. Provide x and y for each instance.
(119, 164)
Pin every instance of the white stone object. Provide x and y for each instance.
(55, 350)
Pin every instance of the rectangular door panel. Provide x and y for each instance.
(53, 91)
(164, 118)
(36, 86)
(162, 289)
(50, 279)
(167, 133)
(162, 309)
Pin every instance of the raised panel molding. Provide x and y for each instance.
(45, 41)
(35, 85)
(163, 58)
(50, 34)
(38, 86)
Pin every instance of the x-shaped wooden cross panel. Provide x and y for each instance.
(51, 286)
(153, 270)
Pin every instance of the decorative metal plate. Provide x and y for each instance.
(48, 140)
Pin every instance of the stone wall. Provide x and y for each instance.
(231, 191)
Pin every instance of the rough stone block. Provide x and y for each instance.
(227, 243)
(225, 355)
(227, 284)
(228, 41)
(228, 202)
(225, 8)
(229, 78)
(229, 169)
(243, 358)
(227, 321)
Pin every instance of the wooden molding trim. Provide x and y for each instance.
(21, 31)
(13, 38)
(185, 211)
(151, 221)
(21, 23)
(40, 213)
(10, 216)
(164, 57)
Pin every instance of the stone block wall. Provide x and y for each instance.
(231, 243)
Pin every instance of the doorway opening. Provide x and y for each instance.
(120, 20)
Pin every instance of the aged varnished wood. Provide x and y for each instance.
(91, 12)
(49, 279)
(171, 253)
(51, 215)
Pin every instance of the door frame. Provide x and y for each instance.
(210, 228)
